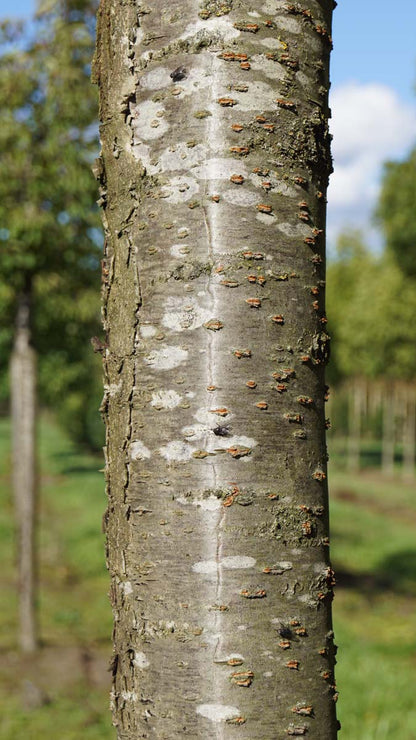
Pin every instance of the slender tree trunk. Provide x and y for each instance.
(409, 434)
(23, 412)
(388, 432)
(213, 177)
(355, 410)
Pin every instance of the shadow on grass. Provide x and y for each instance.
(397, 573)
(72, 456)
(71, 470)
(370, 457)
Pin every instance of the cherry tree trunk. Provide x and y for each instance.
(214, 167)
(24, 477)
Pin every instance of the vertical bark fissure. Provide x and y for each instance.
(211, 232)
(215, 152)
(24, 472)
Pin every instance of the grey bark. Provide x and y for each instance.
(215, 160)
(24, 475)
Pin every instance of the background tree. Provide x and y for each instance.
(213, 177)
(49, 259)
(396, 212)
(372, 304)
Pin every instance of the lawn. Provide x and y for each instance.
(374, 556)
(63, 691)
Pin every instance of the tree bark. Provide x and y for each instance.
(24, 474)
(213, 177)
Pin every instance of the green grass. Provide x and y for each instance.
(374, 554)
(70, 716)
(75, 617)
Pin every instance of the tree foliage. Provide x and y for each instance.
(396, 211)
(372, 305)
(48, 217)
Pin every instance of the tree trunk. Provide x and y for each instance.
(387, 462)
(355, 410)
(23, 412)
(409, 433)
(213, 177)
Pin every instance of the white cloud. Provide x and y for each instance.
(370, 124)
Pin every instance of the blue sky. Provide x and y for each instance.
(373, 73)
(374, 41)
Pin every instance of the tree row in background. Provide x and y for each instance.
(50, 236)
(51, 244)
(50, 251)
(372, 305)
(50, 255)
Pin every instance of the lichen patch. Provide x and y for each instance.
(234, 441)
(209, 504)
(272, 7)
(266, 218)
(147, 331)
(290, 24)
(129, 695)
(180, 189)
(195, 431)
(141, 152)
(179, 250)
(207, 418)
(272, 43)
(165, 399)
(126, 587)
(167, 358)
(219, 168)
(139, 451)
(217, 712)
(233, 562)
(156, 79)
(222, 28)
(260, 96)
(182, 157)
(141, 661)
(271, 69)
(184, 314)
(144, 119)
(205, 566)
(294, 230)
(240, 197)
(176, 451)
